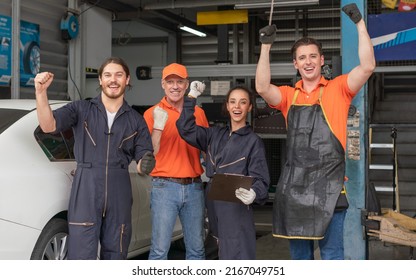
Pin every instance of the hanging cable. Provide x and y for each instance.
(70, 77)
(93, 5)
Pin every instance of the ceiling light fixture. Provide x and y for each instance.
(191, 30)
(276, 4)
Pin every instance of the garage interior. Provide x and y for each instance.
(228, 53)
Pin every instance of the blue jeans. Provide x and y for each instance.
(331, 246)
(168, 201)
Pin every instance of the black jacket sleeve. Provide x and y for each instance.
(258, 168)
(192, 133)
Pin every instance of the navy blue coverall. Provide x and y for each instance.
(238, 152)
(101, 195)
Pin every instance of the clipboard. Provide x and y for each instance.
(223, 186)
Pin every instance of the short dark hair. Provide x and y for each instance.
(115, 60)
(305, 41)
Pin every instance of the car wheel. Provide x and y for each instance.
(31, 58)
(52, 242)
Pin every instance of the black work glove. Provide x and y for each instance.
(147, 163)
(267, 34)
(353, 12)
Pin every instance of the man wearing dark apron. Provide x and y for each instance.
(316, 112)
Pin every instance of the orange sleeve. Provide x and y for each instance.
(148, 117)
(286, 101)
(200, 117)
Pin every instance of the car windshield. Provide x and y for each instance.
(9, 117)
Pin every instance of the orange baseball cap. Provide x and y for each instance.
(175, 69)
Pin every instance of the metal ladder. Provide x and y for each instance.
(394, 189)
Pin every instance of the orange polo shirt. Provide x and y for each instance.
(336, 100)
(175, 158)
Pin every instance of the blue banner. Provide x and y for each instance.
(5, 50)
(393, 36)
(29, 51)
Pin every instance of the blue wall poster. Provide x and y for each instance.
(393, 36)
(29, 51)
(5, 50)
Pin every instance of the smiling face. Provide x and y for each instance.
(113, 80)
(175, 88)
(238, 105)
(309, 62)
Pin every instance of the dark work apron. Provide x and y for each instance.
(312, 177)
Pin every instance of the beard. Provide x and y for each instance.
(113, 93)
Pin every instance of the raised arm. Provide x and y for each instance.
(160, 118)
(45, 116)
(271, 94)
(359, 75)
(193, 134)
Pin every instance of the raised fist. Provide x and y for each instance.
(197, 88)
(353, 12)
(160, 117)
(43, 80)
(268, 34)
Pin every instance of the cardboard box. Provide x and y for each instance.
(220, 87)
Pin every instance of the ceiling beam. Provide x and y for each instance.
(179, 4)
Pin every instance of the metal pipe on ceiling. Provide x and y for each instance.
(177, 4)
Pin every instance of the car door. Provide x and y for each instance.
(141, 219)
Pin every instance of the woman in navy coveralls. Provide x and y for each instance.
(235, 149)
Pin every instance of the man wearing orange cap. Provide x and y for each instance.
(177, 187)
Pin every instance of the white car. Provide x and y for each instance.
(36, 172)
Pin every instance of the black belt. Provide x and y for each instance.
(182, 181)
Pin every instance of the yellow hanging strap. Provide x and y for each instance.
(344, 190)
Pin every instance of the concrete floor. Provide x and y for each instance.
(387, 251)
(271, 248)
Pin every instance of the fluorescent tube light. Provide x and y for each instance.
(193, 31)
(276, 4)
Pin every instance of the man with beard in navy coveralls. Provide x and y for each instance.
(109, 134)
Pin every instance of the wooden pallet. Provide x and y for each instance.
(395, 228)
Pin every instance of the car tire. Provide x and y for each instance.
(31, 58)
(52, 242)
